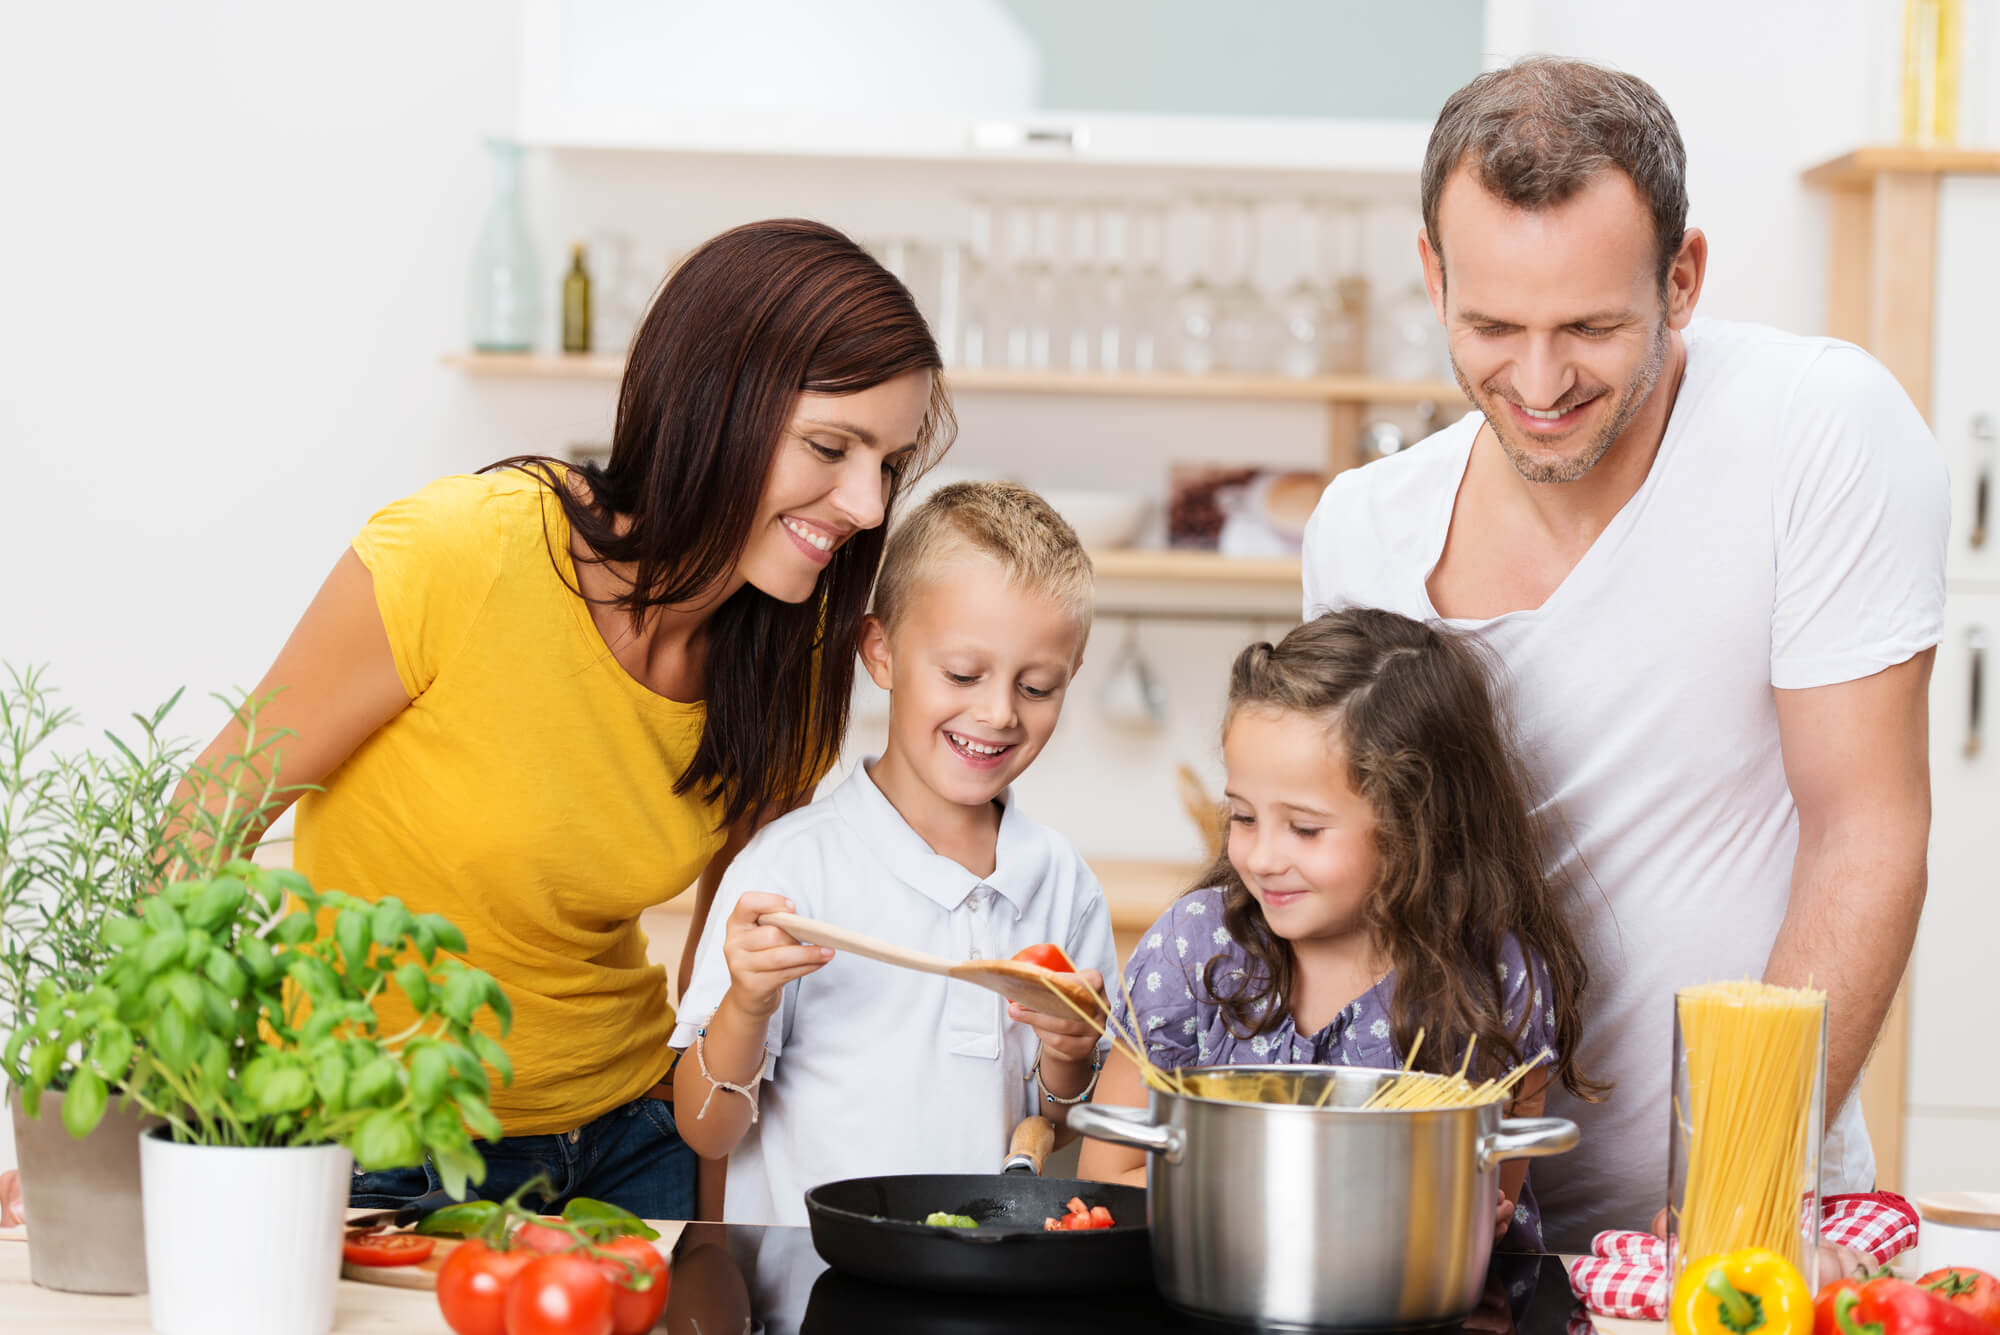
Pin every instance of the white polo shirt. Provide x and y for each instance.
(871, 1069)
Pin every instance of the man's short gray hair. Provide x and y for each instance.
(1538, 131)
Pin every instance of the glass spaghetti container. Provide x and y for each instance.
(1747, 1121)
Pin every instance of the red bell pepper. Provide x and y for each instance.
(1894, 1307)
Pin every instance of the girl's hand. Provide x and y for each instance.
(763, 959)
(1502, 1217)
(1062, 1032)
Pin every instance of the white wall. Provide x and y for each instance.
(236, 237)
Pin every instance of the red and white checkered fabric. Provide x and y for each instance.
(1626, 1273)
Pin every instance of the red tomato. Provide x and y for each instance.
(386, 1249)
(1100, 1217)
(1048, 957)
(634, 1310)
(1962, 1286)
(559, 1295)
(472, 1287)
(547, 1241)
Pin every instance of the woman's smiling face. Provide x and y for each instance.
(830, 479)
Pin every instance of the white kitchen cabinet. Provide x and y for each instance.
(1345, 85)
(1966, 378)
(1912, 273)
(1951, 979)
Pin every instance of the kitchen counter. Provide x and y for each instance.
(729, 1278)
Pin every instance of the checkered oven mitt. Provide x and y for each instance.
(1626, 1273)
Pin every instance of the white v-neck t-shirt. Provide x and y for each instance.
(1790, 534)
(871, 1069)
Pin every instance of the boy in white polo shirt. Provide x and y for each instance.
(807, 1067)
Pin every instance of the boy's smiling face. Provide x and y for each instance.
(976, 667)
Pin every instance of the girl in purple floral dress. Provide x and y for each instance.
(1384, 874)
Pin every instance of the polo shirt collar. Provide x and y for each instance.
(1021, 857)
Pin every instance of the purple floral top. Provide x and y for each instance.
(1184, 1026)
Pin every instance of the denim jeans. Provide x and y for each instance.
(633, 1157)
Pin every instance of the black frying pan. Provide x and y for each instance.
(872, 1228)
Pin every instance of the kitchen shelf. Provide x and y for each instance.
(1196, 586)
(1857, 170)
(1315, 389)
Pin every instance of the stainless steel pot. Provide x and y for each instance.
(1296, 1216)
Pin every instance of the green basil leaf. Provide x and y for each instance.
(497, 999)
(493, 1055)
(369, 1086)
(416, 986)
(288, 1090)
(464, 1220)
(222, 969)
(602, 1221)
(429, 1074)
(163, 949)
(217, 903)
(390, 923)
(463, 992)
(255, 952)
(350, 929)
(295, 928)
(44, 1062)
(111, 1050)
(121, 932)
(171, 1036)
(386, 1139)
(83, 1103)
(448, 937)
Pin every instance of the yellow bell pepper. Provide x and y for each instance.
(1754, 1291)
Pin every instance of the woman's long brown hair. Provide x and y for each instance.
(1462, 867)
(745, 324)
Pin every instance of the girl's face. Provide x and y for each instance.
(1302, 840)
(829, 480)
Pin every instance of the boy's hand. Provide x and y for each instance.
(763, 959)
(1062, 1032)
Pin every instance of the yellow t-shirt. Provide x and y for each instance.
(526, 793)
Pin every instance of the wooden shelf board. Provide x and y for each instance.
(1195, 567)
(1858, 169)
(1315, 389)
(1318, 389)
(537, 365)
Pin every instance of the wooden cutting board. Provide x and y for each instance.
(424, 1276)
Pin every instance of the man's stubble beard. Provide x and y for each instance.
(1637, 391)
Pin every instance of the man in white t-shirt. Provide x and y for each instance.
(1709, 559)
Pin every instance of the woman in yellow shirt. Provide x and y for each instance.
(540, 700)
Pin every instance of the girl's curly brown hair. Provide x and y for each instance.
(1413, 712)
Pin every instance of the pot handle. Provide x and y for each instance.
(1127, 1126)
(1523, 1138)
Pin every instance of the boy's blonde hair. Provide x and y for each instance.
(1035, 545)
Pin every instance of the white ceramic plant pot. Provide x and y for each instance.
(243, 1241)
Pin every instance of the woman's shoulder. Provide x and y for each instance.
(1196, 914)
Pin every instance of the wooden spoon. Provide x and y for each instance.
(1017, 981)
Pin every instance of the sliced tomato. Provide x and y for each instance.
(1100, 1217)
(1046, 957)
(384, 1249)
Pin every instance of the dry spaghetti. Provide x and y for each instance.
(1753, 1061)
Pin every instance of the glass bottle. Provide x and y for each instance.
(576, 304)
(1302, 311)
(505, 287)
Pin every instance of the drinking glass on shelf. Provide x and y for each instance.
(1147, 327)
(1111, 310)
(1245, 330)
(1343, 284)
(1077, 319)
(1013, 275)
(1303, 309)
(1194, 305)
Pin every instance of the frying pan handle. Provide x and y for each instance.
(1130, 1127)
(1521, 1138)
(1033, 1139)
